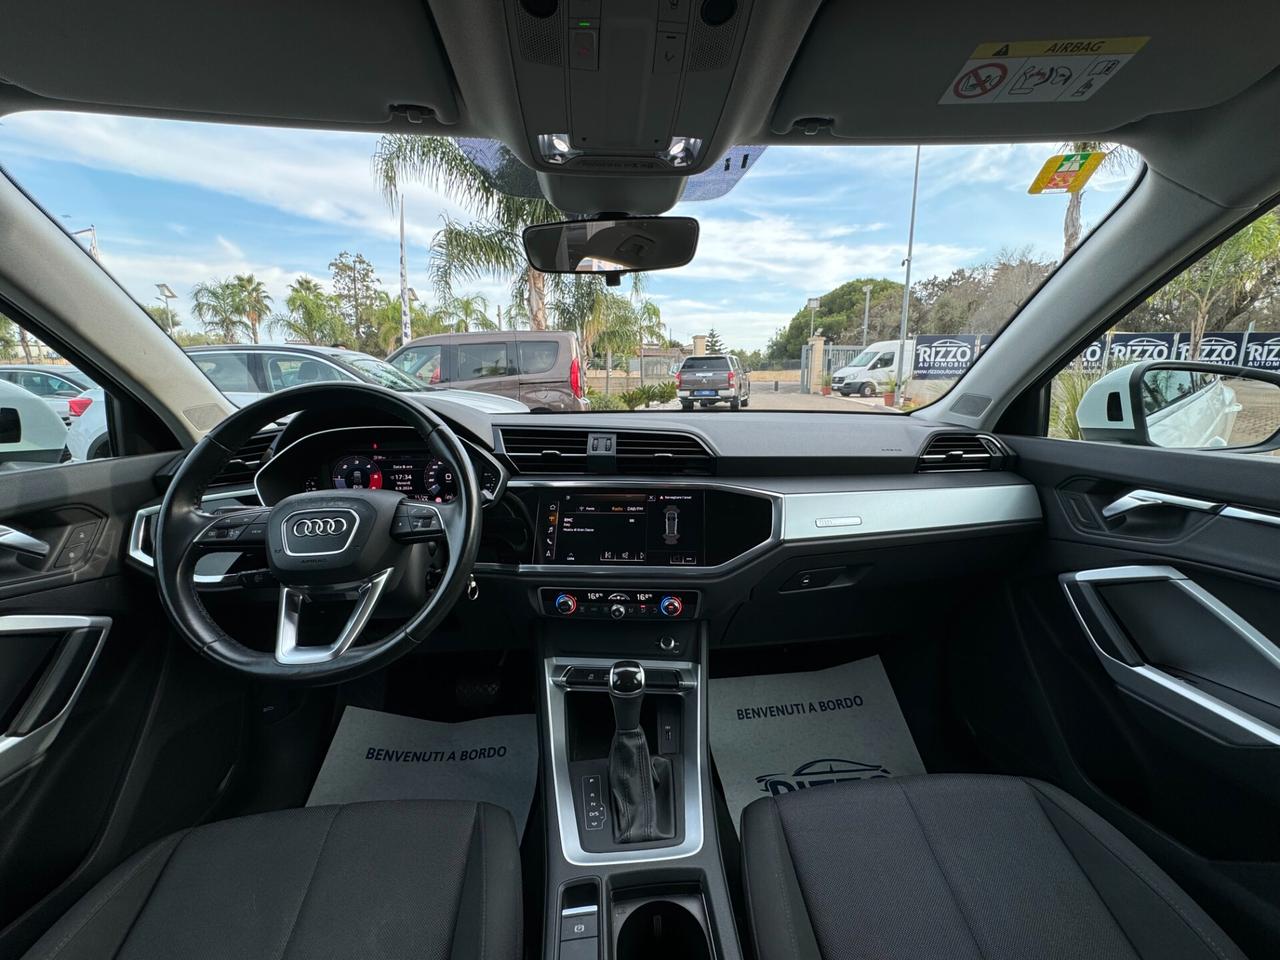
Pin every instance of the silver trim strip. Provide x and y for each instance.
(694, 692)
(20, 542)
(808, 516)
(144, 559)
(288, 651)
(1157, 686)
(579, 911)
(17, 752)
(1252, 516)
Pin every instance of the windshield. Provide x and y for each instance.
(808, 262)
(372, 370)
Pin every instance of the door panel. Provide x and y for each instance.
(1135, 661)
(112, 732)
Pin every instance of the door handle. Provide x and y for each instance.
(1137, 499)
(24, 543)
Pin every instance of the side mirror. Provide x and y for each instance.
(1183, 405)
(10, 425)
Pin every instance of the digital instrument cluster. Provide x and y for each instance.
(416, 474)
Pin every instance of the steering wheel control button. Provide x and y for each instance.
(415, 522)
(566, 604)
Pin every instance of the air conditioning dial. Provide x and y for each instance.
(671, 606)
(566, 604)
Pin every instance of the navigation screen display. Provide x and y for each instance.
(653, 529)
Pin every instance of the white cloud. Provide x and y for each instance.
(321, 175)
(229, 248)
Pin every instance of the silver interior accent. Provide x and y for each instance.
(692, 690)
(1137, 499)
(809, 516)
(137, 537)
(18, 751)
(1252, 516)
(20, 542)
(1171, 693)
(292, 600)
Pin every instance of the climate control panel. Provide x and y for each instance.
(625, 604)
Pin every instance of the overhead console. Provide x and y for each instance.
(623, 87)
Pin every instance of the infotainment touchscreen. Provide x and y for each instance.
(653, 529)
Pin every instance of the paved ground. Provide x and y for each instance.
(794, 400)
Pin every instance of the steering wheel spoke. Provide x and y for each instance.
(293, 601)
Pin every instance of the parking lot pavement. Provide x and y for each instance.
(768, 400)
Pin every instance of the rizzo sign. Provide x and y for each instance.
(944, 357)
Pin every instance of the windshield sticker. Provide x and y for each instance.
(1067, 172)
(1040, 71)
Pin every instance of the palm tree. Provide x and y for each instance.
(255, 302)
(488, 247)
(218, 305)
(387, 320)
(1117, 158)
(313, 316)
(468, 312)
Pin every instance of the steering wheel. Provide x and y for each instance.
(330, 548)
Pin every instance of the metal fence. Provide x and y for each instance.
(834, 356)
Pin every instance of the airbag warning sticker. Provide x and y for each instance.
(1041, 71)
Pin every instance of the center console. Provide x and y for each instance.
(634, 867)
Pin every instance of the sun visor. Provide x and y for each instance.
(302, 60)
(948, 71)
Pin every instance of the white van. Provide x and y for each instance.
(872, 369)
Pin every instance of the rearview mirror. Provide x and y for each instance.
(1186, 406)
(10, 425)
(611, 246)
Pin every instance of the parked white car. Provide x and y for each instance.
(44, 438)
(54, 383)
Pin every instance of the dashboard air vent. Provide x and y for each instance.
(665, 453)
(240, 469)
(961, 451)
(534, 450)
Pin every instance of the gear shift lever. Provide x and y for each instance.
(626, 691)
(640, 784)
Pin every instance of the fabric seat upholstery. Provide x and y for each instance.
(958, 867)
(422, 879)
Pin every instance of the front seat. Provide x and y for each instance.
(958, 867)
(412, 878)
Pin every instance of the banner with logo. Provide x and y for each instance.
(944, 356)
(1262, 352)
(1092, 356)
(1133, 347)
(1214, 347)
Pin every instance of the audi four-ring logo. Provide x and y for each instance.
(320, 527)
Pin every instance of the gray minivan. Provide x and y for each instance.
(540, 368)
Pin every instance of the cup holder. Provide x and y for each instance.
(662, 928)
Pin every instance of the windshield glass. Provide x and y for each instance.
(230, 234)
(372, 370)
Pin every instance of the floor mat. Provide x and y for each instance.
(775, 733)
(384, 756)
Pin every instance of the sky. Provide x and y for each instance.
(180, 203)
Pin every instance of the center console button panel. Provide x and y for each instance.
(628, 604)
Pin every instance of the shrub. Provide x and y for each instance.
(604, 401)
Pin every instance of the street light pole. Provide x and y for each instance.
(166, 296)
(866, 314)
(406, 326)
(906, 289)
(814, 303)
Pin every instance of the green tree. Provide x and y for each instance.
(490, 246)
(355, 288)
(218, 305)
(388, 322)
(714, 343)
(165, 317)
(8, 337)
(255, 302)
(313, 315)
